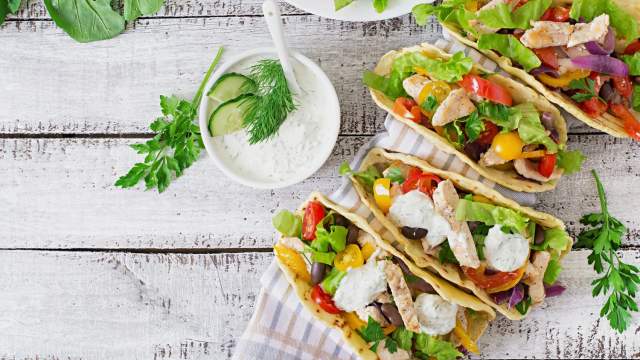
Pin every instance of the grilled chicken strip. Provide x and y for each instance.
(414, 84)
(491, 158)
(593, 31)
(456, 105)
(534, 276)
(461, 242)
(384, 353)
(529, 169)
(402, 296)
(546, 33)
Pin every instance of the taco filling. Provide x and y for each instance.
(395, 311)
(500, 250)
(477, 115)
(586, 50)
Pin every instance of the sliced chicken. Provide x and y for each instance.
(456, 105)
(373, 312)
(414, 84)
(481, 28)
(460, 239)
(491, 158)
(529, 170)
(384, 353)
(592, 31)
(402, 296)
(546, 33)
(534, 276)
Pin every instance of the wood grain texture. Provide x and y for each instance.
(126, 306)
(59, 193)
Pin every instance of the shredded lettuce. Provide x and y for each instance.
(555, 241)
(531, 130)
(552, 272)
(339, 4)
(337, 237)
(511, 47)
(635, 98)
(506, 117)
(625, 24)
(633, 61)
(449, 11)
(287, 223)
(428, 347)
(332, 281)
(570, 161)
(503, 16)
(451, 70)
(367, 177)
(468, 210)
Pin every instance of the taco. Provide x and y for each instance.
(582, 54)
(504, 130)
(384, 306)
(505, 254)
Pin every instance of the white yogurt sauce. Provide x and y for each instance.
(360, 286)
(415, 209)
(436, 315)
(294, 149)
(505, 252)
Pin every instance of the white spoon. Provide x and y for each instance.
(271, 12)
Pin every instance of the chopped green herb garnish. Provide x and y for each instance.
(430, 103)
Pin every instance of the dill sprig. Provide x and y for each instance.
(274, 101)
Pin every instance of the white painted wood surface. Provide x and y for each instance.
(68, 112)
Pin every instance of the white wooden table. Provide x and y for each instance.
(88, 270)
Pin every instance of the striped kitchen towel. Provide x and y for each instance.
(280, 327)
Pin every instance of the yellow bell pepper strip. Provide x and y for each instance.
(465, 339)
(532, 154)
(388, 330)
(381, 193)
(564, 79)
(354, 321)
(349, 258)
(293, 260)
(367, 250)
(507, 145)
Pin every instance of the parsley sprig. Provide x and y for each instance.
(587, 89)
(619, 278)
(176, 145)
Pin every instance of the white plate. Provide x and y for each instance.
(316, 159)
(359, 10)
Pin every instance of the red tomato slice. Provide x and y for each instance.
(557, 14)
(547, 164)
(416, 112)
(594, 107)
(313, 214)
(599, 80)
(403, 107)
(427, 183)
(623, 85)
(411, 182)
(487, 282)
(631, 125)
(632, 48)
(486, 89)
(548, 56)
(324, 300)
(490, 131)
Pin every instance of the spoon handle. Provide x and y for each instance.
(271, 12)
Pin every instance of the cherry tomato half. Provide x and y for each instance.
(623, 85)
(324, 300)
(556, 13)
(631, 125)
(632, 48)
(594, 107)
(403, 108)
(548, 56)
(508, 145)
(490, 131)
(486, 89)
(547, 164)
(427, 183)
(411, 182)
(499, 281)
(313, 214)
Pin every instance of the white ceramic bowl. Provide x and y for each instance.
(328, 140)
(359, 10)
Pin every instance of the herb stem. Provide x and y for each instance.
(216, 60)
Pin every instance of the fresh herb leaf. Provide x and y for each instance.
(604, 235)
(586, 89)
(287, 223)
(366, 177)
(133, 9)
(332, 280)
(570, 161)
(274, 101)
(473, 126)
(372, 332)
(553, 270)
(391, 345)
(430, 103)
(403, 337)
(434, 347)
(176, 145)
(445, 254)
(395, 175)
(524, 305)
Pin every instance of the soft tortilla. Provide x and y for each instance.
(520, 93)
(449, 272)
(476, 324)
(606, 122)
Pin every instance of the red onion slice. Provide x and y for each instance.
(544, 69)
(516, 295)
(596, 48)
(602, 64)
(554, 290)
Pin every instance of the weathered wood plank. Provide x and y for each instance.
(58, 193)
(113, 86)
(170, 306)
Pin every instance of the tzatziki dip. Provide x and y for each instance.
(301, 145)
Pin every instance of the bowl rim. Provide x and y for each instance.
(329, 93)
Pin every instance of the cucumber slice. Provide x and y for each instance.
(229, 116)
(230, 86)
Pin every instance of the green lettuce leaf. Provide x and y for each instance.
(555, 241)
(635, 98)
(449, 11)
(473, 126)
(430, 346)
(339, 4)
(503, 17)
(337, 237)
(454, 134)
(511, 47)
(332, 280)
(624, 23)
(570, 161)
(468, 210)
(633, 61)
(366, 177)
(403, 337)
(322, 257)
(380, 5)
(287, 223)
(553, 270)
(531, 130)
(505, 117)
